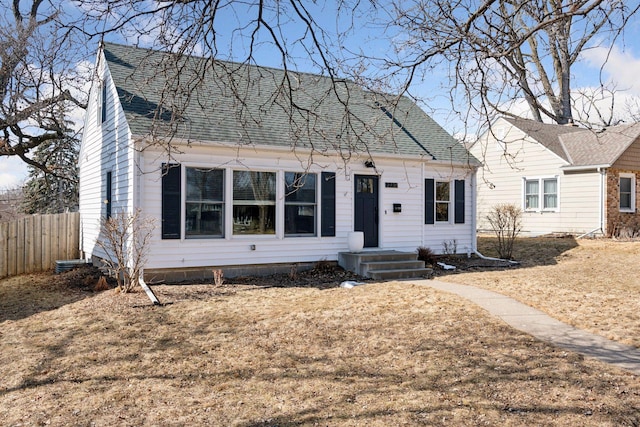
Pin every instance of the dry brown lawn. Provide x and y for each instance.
(379, 354)
(591, 284)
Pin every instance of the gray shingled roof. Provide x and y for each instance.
(243, 104)
(546, 134)
(579, 146)
(600, 147)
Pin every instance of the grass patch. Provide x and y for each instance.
(378, 354)
(591, 284)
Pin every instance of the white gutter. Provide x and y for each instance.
(287, 149)
(585, 168)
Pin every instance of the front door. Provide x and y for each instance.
(366, 208)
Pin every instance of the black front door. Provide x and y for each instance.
(366, 208)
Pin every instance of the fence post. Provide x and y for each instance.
(4, 239)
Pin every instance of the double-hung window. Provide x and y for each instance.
(254, 202)
(550, 193)
(204, 203)
(443, 201)
(541, 194)
(299, 204)
(531, 194)
(627, 192)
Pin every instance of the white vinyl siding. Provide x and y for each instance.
(577, 194)
(400, 231)
(106, 146)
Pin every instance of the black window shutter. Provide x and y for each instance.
(107, 194)
(171, 201)
(429, 201)
(459, 201)
(328, 204)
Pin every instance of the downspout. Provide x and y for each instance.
(601, 212)
(479, 255)
(474, 224)
(475, 234)
(474, 209)
(601, 205)
(603, 174)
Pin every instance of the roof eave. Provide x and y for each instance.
(424, 157)
(585, 167)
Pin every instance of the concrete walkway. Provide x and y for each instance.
(544, 327)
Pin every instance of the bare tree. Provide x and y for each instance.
(497, 52)
(11, 203)
(228, 36)
(500, 51)
(125, 239)
(38, 59)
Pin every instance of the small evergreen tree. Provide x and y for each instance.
(55, 191)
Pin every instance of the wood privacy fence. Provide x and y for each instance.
(35, 243)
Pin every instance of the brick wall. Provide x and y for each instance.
(621, 224)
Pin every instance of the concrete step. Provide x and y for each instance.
(408, 273)
(384, 264)
(367, 266)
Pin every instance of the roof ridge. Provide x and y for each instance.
(564, 147)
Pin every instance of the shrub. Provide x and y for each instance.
(125, 239)
(450, 247)
(506, 222)
(426, 255)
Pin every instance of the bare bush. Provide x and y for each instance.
(218, 277)
(125, 238)
(450, 247)
(506, 222)
(427, 255)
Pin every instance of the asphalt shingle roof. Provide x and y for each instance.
(246, 104)
(579, 146)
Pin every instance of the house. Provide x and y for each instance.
(249, 181)
(565, 178)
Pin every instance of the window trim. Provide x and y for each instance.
(457, 201)
(313, 204)
(632, 201)
(186, 201)
(278, 218)
(437, 202)
(541, 194)
(173, 179)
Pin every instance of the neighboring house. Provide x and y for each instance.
(260, 184)
(566, 179)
